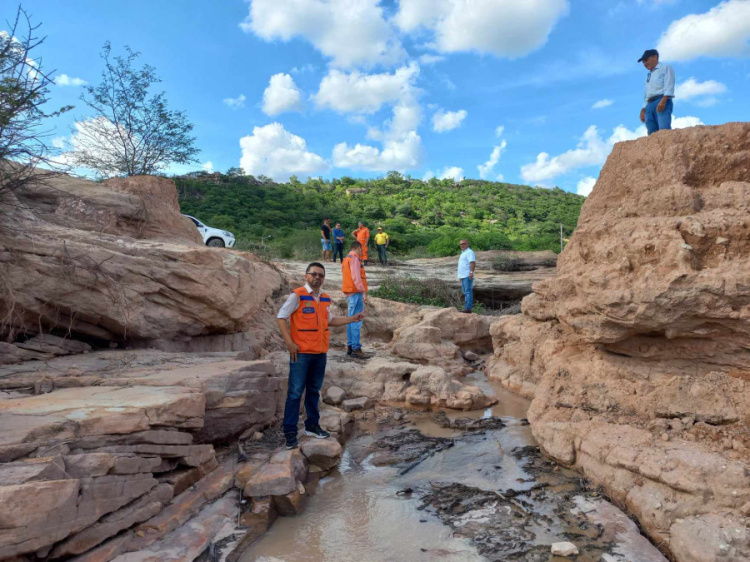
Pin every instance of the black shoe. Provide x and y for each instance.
(467, 311)
(348, 349)
(317, 432)
(291, 440)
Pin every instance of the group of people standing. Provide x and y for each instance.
(333, 241)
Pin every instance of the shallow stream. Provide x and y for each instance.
(445, 505)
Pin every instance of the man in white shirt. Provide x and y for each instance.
(658, 94)
(467, 262)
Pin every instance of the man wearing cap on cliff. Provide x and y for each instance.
(354, 287)
(303, 322)
(659, 91)
(467, 262)
(381, 243)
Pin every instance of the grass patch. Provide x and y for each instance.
(430, 292)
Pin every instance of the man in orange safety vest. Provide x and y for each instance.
(303, 322)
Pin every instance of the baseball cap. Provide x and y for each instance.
(648, 53)
(380, 228)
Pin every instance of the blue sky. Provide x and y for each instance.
(531, 91)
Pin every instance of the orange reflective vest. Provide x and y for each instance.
(348, 285)
(309, 323)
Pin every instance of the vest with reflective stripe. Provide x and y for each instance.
(309, 323)
(348, 285)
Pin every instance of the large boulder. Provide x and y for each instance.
(117, 261)
(636, 353)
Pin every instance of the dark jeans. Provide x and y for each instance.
(305, 375)
(338, 249)
(382, 254)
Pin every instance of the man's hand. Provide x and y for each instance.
(358, 317)
(471, 275)
(293, 350)
(662, 105)
(643, 115)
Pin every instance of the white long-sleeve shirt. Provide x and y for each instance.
(659, 82)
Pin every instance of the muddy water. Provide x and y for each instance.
(361, 513)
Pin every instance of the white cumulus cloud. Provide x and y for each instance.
(602, 104)
(447, 120)
(486, 169)
(235, 103)
(592, 150)
(507, 28)
(65, 80)
(208, 166)
(356, 92)
(275, 152)
(428, 58)
(281, 95)
(453, 172)
(691, 88)
(723, 31)
(585, 186)
(351, 33)
(499, 131)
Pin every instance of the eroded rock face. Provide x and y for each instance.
(636, 353)
(117, 261)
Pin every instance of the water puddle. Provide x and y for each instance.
(424, 490)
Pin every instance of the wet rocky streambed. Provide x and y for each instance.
(452, 486)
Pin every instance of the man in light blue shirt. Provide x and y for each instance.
(467, 261)
(659, 91)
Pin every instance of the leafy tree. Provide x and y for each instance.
(133, 131)
(24, 89)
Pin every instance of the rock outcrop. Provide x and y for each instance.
(636, 353)
(117, 261)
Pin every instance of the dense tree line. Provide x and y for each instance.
(422, 218)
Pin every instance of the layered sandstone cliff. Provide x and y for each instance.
(637, 353)
(116, 261)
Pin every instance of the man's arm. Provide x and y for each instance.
(343, 320)
(282, 321)
(354, 267)
(387, 240)
(668, 88)
(293, 348)
(472, 266)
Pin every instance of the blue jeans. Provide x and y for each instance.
(356, 305)
(656, 121)
(338, 250)
(305, 375)
(467, 287)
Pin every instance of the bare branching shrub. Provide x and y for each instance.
(25, 155)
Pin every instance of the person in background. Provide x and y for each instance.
(467, 262)
(659, 91)
(338, 242)
(362, 234)
(303, 322)
(381, 243)
(325, 240)
(354, 287)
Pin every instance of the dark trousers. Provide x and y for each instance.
(338, 249)
(382, 254)
(305, 375)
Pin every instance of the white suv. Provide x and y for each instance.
(213, 236)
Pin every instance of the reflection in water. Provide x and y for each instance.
(357, 515)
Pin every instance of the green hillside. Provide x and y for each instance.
(423, 218)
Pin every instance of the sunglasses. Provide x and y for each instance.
(320, 275)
